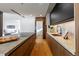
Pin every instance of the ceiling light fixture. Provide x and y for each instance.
(17, 13)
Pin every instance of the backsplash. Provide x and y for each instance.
(69, 26)
(66, 27)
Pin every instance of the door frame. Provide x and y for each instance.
(44, 25)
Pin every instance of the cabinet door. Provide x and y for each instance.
(30, 44)
(48, 39)
(56, 48)
(26, 48)
(20, 50)
(52, 45)
(66, 53)
(59, 49)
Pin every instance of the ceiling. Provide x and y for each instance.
(35, 9)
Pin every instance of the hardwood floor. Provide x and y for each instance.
(41, 48)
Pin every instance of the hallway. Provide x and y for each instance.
(41, 48)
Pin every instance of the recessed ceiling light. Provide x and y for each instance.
(40, 14)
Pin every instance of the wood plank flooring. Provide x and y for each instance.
(41, 48)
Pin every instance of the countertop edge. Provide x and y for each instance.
(72, 52)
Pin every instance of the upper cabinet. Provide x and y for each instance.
(62, 12)
(1, 23)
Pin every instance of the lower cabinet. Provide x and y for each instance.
(24, 49)
(56, 48)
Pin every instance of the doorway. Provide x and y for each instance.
(40, 27)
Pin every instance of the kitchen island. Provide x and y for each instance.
(10, 47)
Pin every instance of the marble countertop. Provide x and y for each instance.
(67, 44)
(6, 48)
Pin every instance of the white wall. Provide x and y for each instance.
(27, 24)
(11, 19)
(69, 26)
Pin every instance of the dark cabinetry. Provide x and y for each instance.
(1, 23)
(56, 48)
(24, 49)
(62, 12)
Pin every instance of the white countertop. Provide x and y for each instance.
(67, 44)
(5, 48)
